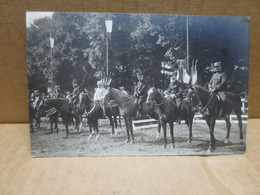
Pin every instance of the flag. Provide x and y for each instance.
(52, 42)
(186, 76)
(194, 73)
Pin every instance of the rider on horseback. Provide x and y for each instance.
(100, 93)
(217, 86)
(140, 92)
(175, 90)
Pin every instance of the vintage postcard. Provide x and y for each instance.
(108, 84)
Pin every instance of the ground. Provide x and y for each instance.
(44, 143)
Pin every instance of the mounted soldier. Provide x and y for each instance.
(58, 92)
(175, 90)
(100, 93)
(141, 90)
(218, 86)
(75, 93)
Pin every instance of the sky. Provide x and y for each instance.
(31, 16)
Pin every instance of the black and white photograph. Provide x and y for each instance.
(111, 84)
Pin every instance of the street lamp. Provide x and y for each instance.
(109, 30)
(52, 45)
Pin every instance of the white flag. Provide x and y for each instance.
(52, 42)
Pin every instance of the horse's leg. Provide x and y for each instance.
(188, 121)
(115, 120)
(127, 129)
(119, 120)
(238, 113)
(96, 125)
(211, 123)
(67, 124)
(112, 124)
(56, 123)
(131, 129)
(164, 133)
(90, 129)
(228, 125)
(80, 119)
(158, 130)
(51, 124)
(172, 133)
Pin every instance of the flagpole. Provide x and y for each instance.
(187, 37)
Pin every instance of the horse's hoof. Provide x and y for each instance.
(227, 141)
(97, 137)
(173, 146)
(189, 141)
(132, 142)
(126, 141)
(89, 137)
(210, 149)
(164, 146)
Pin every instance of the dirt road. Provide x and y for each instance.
(44, 144)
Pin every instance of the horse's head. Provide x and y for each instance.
(151, 96)
(109, 96)
(40, 111)
(193, 96)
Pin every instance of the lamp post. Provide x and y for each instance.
(109, 30)
(52, 45)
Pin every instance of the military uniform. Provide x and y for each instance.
(175, 91)
(218, 84)
(141, 92)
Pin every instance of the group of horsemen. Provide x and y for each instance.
(175, 90)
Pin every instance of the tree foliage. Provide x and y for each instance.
(137, 42)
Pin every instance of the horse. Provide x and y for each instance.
(169, 111)
(127, 107)
(219, 109)
(62, 105)
(48, 110)
(94, 111)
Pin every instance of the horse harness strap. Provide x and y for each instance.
(92, 109)
(51, 111)
(210, 99)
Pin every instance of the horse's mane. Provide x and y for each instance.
(122, 96)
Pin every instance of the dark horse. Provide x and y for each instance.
(169, 111)
(127, 107)
(218, 109)
(48, 110)
(93, 111)
(63, 107)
